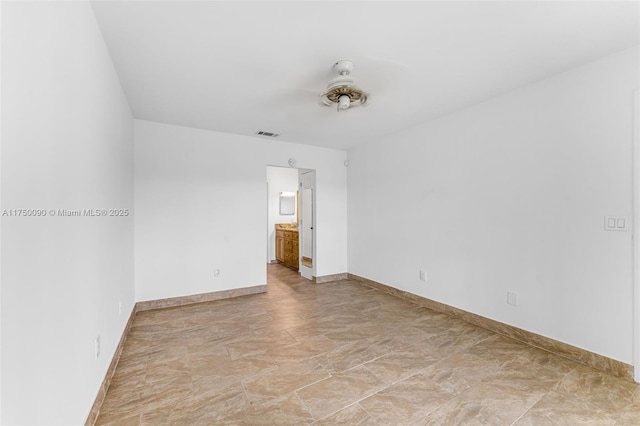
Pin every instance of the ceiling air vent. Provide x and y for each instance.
(268, 134)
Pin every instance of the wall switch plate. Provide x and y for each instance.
(423, 276)
(616, 223)
(216, 272)
(512, 298)
(97, 347)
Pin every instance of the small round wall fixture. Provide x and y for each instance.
(346, 163)
(292, 162)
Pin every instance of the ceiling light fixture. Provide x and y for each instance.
(341, 91)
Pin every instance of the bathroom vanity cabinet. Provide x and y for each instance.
(287, 247)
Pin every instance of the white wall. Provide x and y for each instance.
(67, 143)
(280, 179)
(511, 194)
(200, 200)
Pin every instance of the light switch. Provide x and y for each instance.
(612, 223)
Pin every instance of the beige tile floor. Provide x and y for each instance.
(343, 353)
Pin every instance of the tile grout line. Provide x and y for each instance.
(349, 405)
(386, 386)
(529, 408)
(317, 381)
(543, 395)
(304, 404)
(366, 411)
(332, 375)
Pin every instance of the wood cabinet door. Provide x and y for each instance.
(280, 249)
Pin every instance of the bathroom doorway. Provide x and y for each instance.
(281, 181)
(291, 232)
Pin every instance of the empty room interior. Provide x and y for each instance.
(319, 212)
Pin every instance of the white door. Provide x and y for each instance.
(307, 224)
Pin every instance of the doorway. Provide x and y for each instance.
(299, 183)
(280, 181)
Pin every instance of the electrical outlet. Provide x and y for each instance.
(216, 272)
(512, 298)
(423, 276)
(97, 347)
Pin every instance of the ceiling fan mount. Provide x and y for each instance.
(341, 90)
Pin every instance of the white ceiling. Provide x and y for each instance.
(240, 67)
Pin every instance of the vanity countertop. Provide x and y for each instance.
(287, 226)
